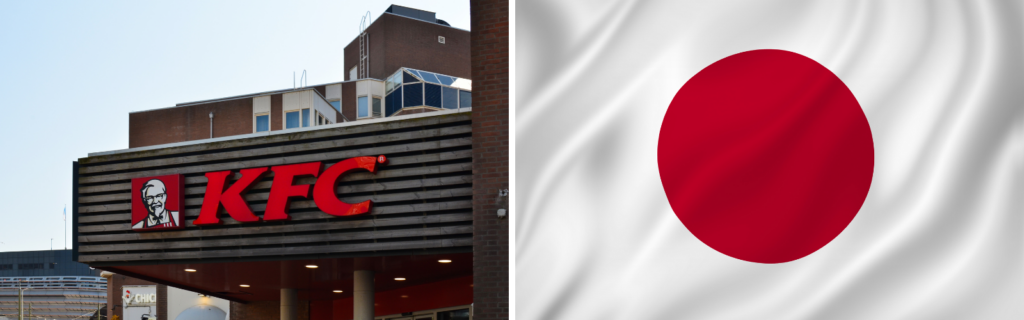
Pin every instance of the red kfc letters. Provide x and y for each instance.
(231, 199)
(325, 197)
(282, 189)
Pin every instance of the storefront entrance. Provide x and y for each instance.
(453, 313)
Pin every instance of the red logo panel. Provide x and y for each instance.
(157, 203)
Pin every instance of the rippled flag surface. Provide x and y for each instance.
(769, 160)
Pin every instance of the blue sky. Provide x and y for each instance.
(70, 72)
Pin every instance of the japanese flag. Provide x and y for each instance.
(769, 160)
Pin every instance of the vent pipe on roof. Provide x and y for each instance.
(211, 124)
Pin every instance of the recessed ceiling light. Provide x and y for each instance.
(444, 261)
(399, 279)
(404, 296)
(190, 270)
(311, 266)
(337, 291)
(243, 285)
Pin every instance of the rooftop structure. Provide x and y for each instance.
(406, 61)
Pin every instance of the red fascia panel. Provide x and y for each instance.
(434, 295)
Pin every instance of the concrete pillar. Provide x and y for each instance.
(363, 295)
(289, 304)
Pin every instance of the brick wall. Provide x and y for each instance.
(348, 101)
(276, 112)
(161, 301)
(114, 284)
(265, 310)
(232, 117)
(413, 44)
(397, 41)
(489, 53)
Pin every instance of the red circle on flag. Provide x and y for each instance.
(765, 156)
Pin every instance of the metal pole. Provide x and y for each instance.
(211, 124)
(21, 302)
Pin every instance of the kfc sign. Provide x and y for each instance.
(156, 201)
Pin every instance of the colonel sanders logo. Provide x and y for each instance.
(156, 202)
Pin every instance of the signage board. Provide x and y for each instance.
(139, 302)
(157, 201)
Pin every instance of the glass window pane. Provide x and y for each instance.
(337, 105)
(409, 78)
(376, 107)
(389, 84)
(450, 97)
(445, 80)
(428, 77)
(305, 117)
(413, 95)
(432, 95)
(263, 123)
(388, 101)
(291, 120)
(362, 111)
(465, 99)
(461, 314)
(394, 102)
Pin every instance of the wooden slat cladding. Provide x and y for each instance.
(422, 198)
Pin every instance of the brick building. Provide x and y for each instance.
(383, 196)
(406, 61)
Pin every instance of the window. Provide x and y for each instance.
(291, 120)
(305, 118)
(407, 78)
(450, 97)
(337, 105)
(263, 123)
(391, 102)
(376, 107)
(413, 95)
(30, 266)
(428, 77)
(432, 95)
(53, 265)
(352, 73)
(394, 81)
(413, 88)
(465, 99)
(445, 80)
(363, 110)
(6, 267)
(461, 314)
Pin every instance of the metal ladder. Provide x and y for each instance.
(364, 46)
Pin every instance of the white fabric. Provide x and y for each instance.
(940, 236)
